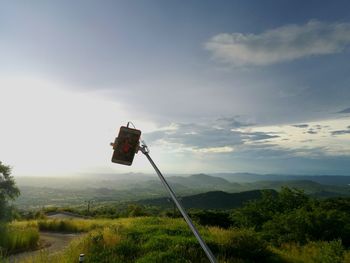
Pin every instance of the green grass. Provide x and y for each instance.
(152, 239)
(158, 240)
(18, 236)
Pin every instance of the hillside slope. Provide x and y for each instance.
(209, 200)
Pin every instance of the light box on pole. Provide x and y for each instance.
(126, 145)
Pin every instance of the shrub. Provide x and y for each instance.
(243, 244)
(211, 218)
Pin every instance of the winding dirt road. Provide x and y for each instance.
(52, 243)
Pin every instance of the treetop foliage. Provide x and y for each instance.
(292, 216)
(8, 190)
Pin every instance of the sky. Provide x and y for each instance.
(214, 86)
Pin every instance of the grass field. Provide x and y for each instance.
(155, 239)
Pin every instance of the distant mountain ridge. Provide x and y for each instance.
(39, 191)
(252, 177)
(124, 180)
(210, 200)
(202, 181)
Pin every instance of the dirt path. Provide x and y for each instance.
(52, 242)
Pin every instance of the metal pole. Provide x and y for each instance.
(188, 220)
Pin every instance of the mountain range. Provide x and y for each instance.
(58, 191)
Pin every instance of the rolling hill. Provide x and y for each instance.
(209, 200)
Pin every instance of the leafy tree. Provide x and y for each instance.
(338, 203)
(255, 213)
(291, 216)
(291, 199)
(305, 224)
(135, 210)
(8, 191)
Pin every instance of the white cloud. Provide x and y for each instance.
(225, 149)
(284, 43)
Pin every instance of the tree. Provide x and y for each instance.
(8, 191)
(257, 212)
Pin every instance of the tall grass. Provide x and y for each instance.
(314, 252)
(158, 240)
(77, 225)
(151, 239)
(18, 236)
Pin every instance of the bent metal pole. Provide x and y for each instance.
(144, 149)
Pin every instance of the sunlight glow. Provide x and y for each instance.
(47, 129)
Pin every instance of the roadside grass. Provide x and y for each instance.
(18, 236)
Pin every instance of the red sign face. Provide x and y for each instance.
(126, 145)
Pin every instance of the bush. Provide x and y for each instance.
(243, 244)
(211, 218)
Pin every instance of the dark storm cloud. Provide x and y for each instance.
(344, 111)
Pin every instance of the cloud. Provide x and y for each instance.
(196, 136)
(205, 138)
(258, 136)
(344, 111)
(225, 149)
(311, 131)
(301, 125)
(281, 44)
(233, 123)
(340, 132)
